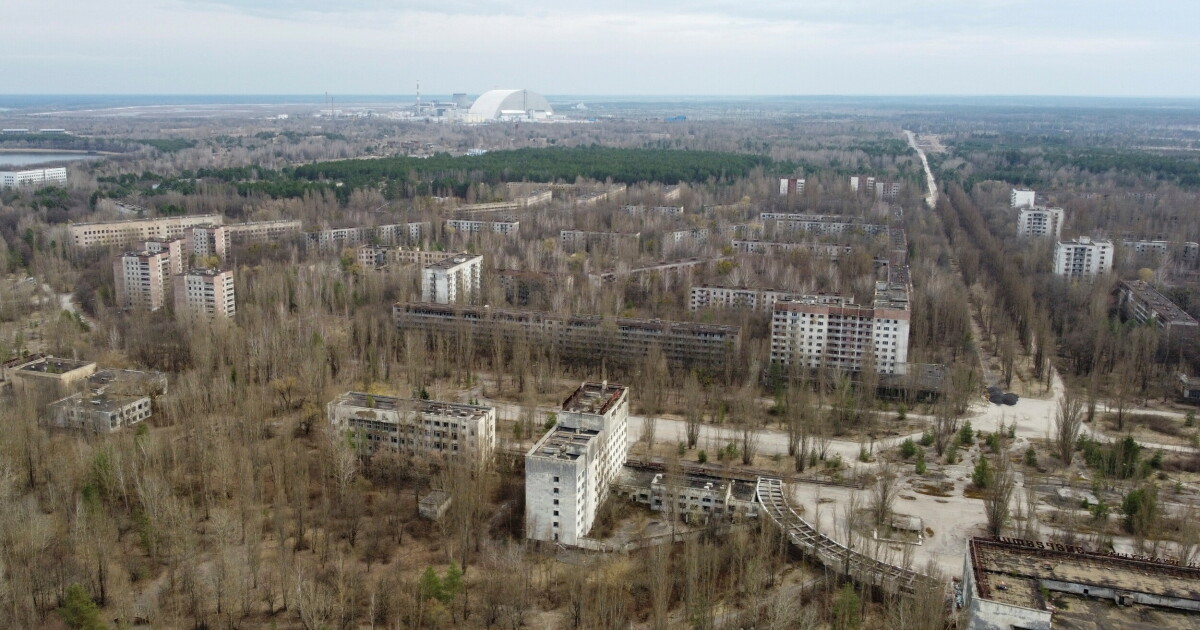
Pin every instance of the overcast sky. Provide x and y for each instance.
(711, 47)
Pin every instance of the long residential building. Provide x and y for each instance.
(383, 257)
(415, 427)
(470, 226)
(452, 280)
(575, 239)
(1143, 303)
(832, 251)
(1083, 257)
(569, 471)
(718, 297)
(586, 337)
(1040, 221)
(123, 233)
(831, 331)
(263, 231)
(33, 178)
(208, 292)
(821, 223)
(393, 234)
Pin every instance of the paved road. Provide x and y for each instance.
(932, 195)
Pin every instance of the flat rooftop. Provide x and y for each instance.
(53, 365)
(454, 261)
(1164, 309)
(393, 403)
(107, 403)
(1012, 573)
(593, 398)
(563, 444)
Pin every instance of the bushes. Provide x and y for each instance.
(908, 448)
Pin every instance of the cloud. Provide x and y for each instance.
(622, 46)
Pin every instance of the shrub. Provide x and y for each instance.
(1031, 458)
(702, 457)
(920, 467)
(79, 611)
(908, 448)
(926, 439)
(982, 476)
(965, 434)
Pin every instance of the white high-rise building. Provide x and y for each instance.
(569, 471)
(452, 280)
(173, 248)
(1039, 221)
(206, 292)
(207, 240)
(141, 279)
(1083, 257)
(1021, 198)
(831, 331)
(791, 186)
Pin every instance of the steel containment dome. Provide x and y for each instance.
(501, 104)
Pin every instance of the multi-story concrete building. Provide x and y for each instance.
(33, 178)
(416, 427)
(173, 248)
(862, 184)
(207, 241)
(142, 280)
(1143, 303)
(1022, 198)
(569, 471)
(1008, 583)
(576, 239)
(470, 226)
(1083, 257)
(99, 412)
(695, 498)
(832, 251)
(124, 233)
(887, 191)
(584, 337)
(208, 292)
(821, 224)
(711, 296)
(452, 280)
(680, 239)
(42, 371)
(1156, 251)
(665, 211)
(263, 231)
(382, 257)
(1040, 221)
(831, 331)
(338, 238)
(791, 186)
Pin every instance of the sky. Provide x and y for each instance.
(608, 47)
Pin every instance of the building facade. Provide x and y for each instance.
(718, 297)
(33, 178)
(1040, 221)
(174, 249)
(470, 226)
(569, 471)
(142, 280)
(415, 427)
(584, 337)
(580, 239)
(831, 331)
(1143, 303)
(791, 186)
(123, 233)
(821, 224)
(452, 280)
(209, 292)
(263, 231)
(1082, 258)
(98, 412)
(208, 241)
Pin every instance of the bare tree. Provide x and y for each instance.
(997, 498)
(945, 426)
(1067, 425)
(883, 493)
(692, 413)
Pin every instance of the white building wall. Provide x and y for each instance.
(1021, 198)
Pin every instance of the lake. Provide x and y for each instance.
(22, 160)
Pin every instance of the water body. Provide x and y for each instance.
(24, 160)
